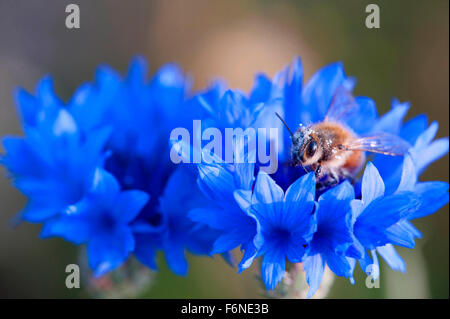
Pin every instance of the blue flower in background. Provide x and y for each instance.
(121, 125)
(54, 164)
(333, 238)
(287, 223)
(102, 221)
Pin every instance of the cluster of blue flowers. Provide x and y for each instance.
(96, 171)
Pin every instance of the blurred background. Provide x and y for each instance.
(407, 58)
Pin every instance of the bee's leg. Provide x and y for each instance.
(318, 171)
(332, 180)
(347, 175)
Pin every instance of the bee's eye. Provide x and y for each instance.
(311, 149)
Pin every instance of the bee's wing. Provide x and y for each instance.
(384, 143)
(342, 105)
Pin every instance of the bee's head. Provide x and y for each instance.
(305, 147)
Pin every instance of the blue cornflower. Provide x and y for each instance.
(309, 104)
(287, 223)
(102, 221)
(54, 163)
(333, 238)
(121, 125)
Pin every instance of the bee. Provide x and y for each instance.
(332, 150)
